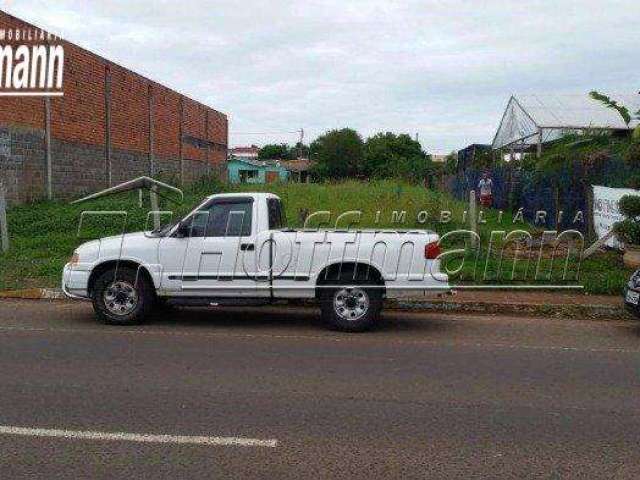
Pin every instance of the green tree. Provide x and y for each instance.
(273, 151)
(389, 155)
(338, 154)
(300, 150)
(628, 230)
(282, 151)
(451, 163)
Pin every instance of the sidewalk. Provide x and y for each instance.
(548, 303)
(512, 297)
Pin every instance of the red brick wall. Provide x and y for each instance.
(193, 126)
(129, 110)
(166, 122)
(80, 115)
(26, 111)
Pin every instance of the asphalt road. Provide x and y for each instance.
(425, 396)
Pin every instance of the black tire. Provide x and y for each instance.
(120, 285)
(353, 319)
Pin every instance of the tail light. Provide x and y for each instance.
(431, 251)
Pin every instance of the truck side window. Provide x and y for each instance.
(276, 215)
(230, 219)
(198, 223)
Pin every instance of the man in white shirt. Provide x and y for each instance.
(486, 190)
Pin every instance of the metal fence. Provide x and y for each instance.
(565, 189)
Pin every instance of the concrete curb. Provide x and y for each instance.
(34, 294)
(584, 311)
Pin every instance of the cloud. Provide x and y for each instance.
(443, 69)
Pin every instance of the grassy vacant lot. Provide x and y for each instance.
(44, 234)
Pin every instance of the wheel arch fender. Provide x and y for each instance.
(107, 265)
(349, 270)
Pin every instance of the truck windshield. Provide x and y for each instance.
(166, 227)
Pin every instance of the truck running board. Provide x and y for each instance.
(217, 302)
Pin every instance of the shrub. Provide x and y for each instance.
(629, 206)
(628, 230)
(594, 162)
(634, 181)
(632, 155)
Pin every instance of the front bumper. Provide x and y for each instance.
(75, 282)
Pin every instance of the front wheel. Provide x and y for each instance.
(351, 308)
(122, 297)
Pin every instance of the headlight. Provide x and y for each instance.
(75, 258)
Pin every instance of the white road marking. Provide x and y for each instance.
(137, 437)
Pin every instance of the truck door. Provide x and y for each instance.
(220, 255)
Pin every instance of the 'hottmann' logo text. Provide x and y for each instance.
(31, 64)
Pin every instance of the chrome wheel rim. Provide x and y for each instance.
(351, 303)
(120, 298)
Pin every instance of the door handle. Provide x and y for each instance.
(247, 247)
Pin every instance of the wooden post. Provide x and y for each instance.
(4, 228)
(539, 144)
(557, 205)
(473, 219)
(589, 217)
(509, 185)
(597, 245)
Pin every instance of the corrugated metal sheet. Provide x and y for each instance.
(577, 110)
(526, 115)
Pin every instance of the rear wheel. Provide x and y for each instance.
(351, 308)
(122, 297)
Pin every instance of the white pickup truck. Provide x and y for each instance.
(234, 249)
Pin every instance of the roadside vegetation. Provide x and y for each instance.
(44, 234)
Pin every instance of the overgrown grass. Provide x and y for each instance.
(43, 235)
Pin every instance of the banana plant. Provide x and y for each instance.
(621, 109)
(610, 103)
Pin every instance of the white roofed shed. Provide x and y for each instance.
(536, 119)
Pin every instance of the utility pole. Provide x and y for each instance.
(47, 146)
(300, 143)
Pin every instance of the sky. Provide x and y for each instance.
(443, 70)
